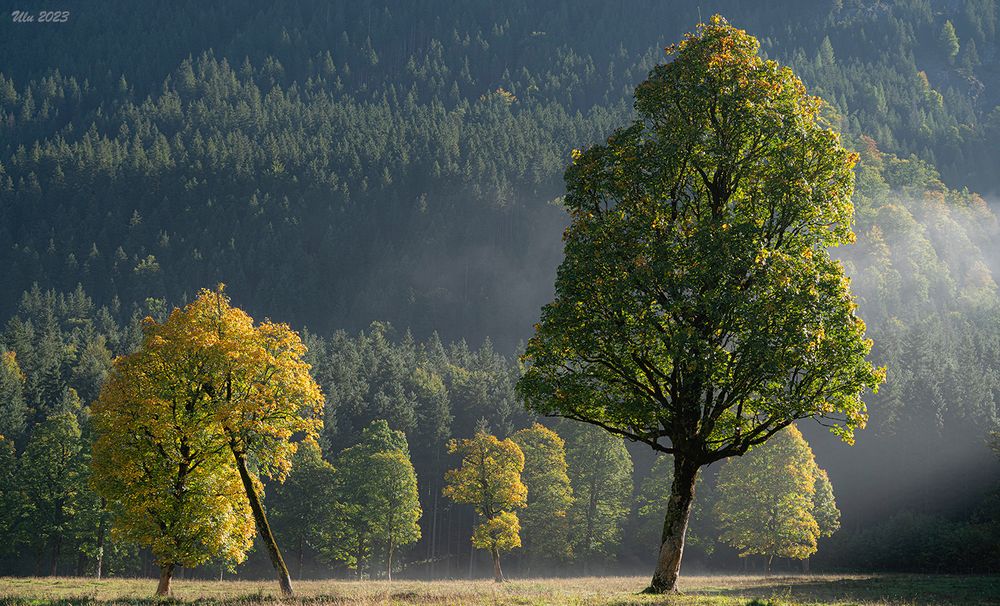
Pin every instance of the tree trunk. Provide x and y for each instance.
(166, 572)
(81, 563)
(668, 564)
(301, 548)
(284, 581)
(56, 549)
(497, 572)
(805, 565)
(770, 559)
(101, 528)
(388, 566)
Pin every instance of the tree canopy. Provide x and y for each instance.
(698, 309)
(775, 500)
(245, 392)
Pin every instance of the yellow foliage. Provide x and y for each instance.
(502, 532)
(205, 387)
(490, 479)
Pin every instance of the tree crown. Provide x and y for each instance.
(698, 308)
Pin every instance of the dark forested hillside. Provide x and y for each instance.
(320, 158)
(351, 167)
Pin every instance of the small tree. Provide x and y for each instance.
(13, 408)
(768, 500)
(489, 478)
(303, 505)
(377, 498)
(54, 476)
(395, 503)
(545, 519)
(600, 470)
(698, 309)
(948, 41)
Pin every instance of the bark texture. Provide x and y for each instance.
(497, 571)
(166, 574)
(284, 580)
(668, 564)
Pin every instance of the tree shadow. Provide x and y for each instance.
(916, 590)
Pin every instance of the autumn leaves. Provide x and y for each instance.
(188, 424)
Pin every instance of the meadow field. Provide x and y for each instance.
(883, 590)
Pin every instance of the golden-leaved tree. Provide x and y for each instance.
(775, 500)
(210, 402)
(490, 479)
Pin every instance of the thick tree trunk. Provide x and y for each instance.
(284, 580)
(166, 573)
(497, 572)
(668, 564)
(805, 565)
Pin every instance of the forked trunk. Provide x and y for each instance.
(166, 573)
(284, 580)
(668, 564)
(497, 572)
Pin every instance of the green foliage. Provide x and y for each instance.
(546, 519)
(322, 184)
(948, 41)
(698, 301)
(377, 507)
(395, 504)
(775, 500)
(909, 541)
(303, 506)
(600, 472)
(650, 505)
(825, 505)
(53, 474)
(408, 144)
(13, 410)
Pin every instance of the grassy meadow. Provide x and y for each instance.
(884, 590)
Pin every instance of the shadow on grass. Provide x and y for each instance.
(882, 590)
(918, 590)
(249, 599)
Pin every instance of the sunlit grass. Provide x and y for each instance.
(862, 590)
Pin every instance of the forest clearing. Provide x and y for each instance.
(885, 590)
(382, 302)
